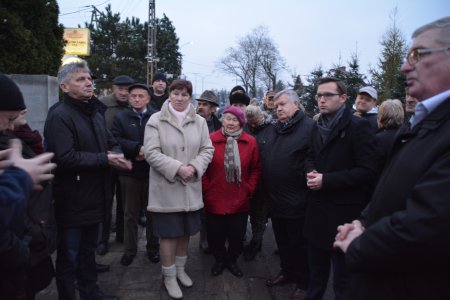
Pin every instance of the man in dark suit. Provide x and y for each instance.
(340, 173)
(400, 248)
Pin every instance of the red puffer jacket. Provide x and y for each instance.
(221, 197)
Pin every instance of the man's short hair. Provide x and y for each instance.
(65, 70)
(443, 24)
(342, 88)
(292, 96)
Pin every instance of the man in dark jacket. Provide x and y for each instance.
(84, 152)
(402, 252)
(128, 128)
(115, 103)
(284, 182)
(158, 92)
(207, 104)
(341, 170)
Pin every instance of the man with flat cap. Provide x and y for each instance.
(115, 102)
(207, 105)
(158, 91)
(128, 128)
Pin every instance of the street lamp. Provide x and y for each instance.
(181, 58)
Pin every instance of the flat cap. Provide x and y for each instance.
(123, 80)
(138, 86)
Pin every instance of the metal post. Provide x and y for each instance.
(151, 46)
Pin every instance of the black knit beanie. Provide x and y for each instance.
(239, 98)
(237, 88)
(11, 97)
(159, 76)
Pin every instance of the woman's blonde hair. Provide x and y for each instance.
(391, 114)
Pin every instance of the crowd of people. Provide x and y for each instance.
(359, 190)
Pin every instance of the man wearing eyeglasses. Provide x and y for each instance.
(340, 176)
(400, 247)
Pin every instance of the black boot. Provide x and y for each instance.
(251, 250)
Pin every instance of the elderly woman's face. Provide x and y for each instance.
(230, 123)
(180, 99)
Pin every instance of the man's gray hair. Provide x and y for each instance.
(443, 24)
(65, 71)
(292, 96)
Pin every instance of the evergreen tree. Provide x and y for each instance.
(104, 40)
(353, 79)
(167, 48)
(387, 79)
(120, 47)
(308, 97)
(31, 38)
(297, 86)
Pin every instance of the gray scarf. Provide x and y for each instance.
(232, 159)
(326, 124)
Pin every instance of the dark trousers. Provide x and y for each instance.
(258, 218)
(117, 191)
(106, 224)
(75, 262)
(319, 265)
(135, 198)
(39, 277)
(223, 228)
(293, 249)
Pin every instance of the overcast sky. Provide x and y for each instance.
(308, 33)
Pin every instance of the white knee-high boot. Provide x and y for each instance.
(184, 279)
(170, 282)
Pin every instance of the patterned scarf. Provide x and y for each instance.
(232, 159)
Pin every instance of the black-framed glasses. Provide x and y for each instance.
(326, 96)
(415, 55)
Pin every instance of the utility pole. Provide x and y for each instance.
(152, 59)
(95, 14)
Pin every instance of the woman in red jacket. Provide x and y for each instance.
(228, 184)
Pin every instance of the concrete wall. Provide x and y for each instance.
(40, 93)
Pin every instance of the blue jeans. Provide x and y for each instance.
(75, 262)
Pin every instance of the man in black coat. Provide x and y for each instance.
(401, 248)
(158, 91)
(341, 169)
(84, 152)
(284, 181)
(128, 128)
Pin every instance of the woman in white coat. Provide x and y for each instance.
(178, 149)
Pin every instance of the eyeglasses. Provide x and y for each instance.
(326, 96)
(415, 55)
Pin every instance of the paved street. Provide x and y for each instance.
(142, 279)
